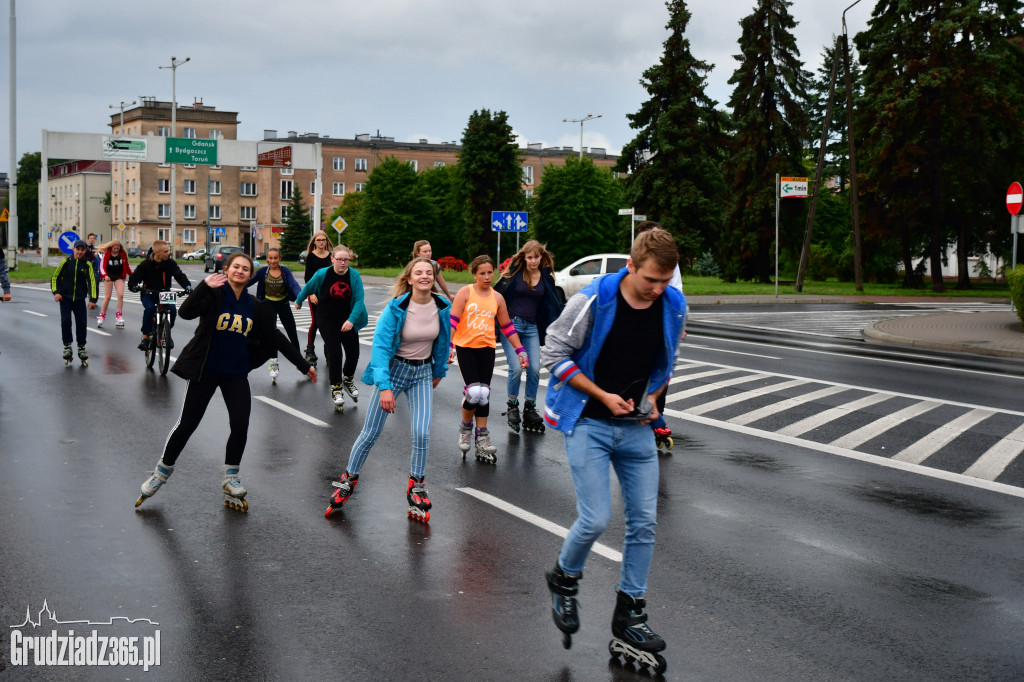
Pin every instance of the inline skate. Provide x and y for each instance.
(663, 439)
(350, 387)
(68, 355)
(83, 356)
(275, 370)
(338, 397)
(311, 355)
(565, 610)
(234, 491)
(465, 437)
(513, 414)
(99, 320)
(155, 481)
(419, 500)
(532, 421)
(484, 450)
(119, 320)
(632, 638)
(344, 490)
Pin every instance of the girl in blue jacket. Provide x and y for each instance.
(276, 285)
(410, 355)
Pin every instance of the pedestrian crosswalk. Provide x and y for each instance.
(957, 437)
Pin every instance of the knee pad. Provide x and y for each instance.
(484, 393)
(473, 394)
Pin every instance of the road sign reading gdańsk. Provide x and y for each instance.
(191, 150)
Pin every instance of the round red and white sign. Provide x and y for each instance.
(1014, 198)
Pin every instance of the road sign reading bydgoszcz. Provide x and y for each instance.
(1014, 198)
(339, 224)
(191, 150)
(124, 148)
(508, 221)
(794, 188)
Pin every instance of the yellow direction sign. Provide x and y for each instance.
(121, 227)
(793, 188)
(5, 216)
(339, 224)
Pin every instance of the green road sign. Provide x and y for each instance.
(191, 150)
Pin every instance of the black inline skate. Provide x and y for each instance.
(344, 490)
(311, 355)
(419, 500)
(513, 414)
(532, 421)
(632, 638)
(663, 439)
(68, 355)
(565, 609)
(83, 356)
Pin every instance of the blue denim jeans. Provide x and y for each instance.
(629, 448)
(149, 304)
(530, 338)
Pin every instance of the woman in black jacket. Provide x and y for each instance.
(528, 285)
(236, 334)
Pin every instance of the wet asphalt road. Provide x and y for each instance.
(773, 562)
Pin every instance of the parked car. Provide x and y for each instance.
(198, 254)
(581, 273)
(302, 258)
(134, 252)
(214, 260)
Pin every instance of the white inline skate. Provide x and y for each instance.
(155, 481)
(234, 491)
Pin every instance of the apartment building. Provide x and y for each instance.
(77, 201)
(250, 203)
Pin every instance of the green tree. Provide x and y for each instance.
(771, 126)
(837, 147)
(490, 178)
(29, 168)
(940, 119)
(675, 161)
(442, 193)
(576, 210)
(391, 214)
(296, 227)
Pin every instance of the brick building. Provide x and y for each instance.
(253, 200)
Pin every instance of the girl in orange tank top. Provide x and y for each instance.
(474, 312)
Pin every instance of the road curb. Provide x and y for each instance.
(874, 335)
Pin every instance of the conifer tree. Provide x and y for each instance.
(490, 178)
(675, 161)
(768, 110)
(297, 228)
(944, 97)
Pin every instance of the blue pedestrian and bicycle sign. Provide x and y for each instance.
(508, 221)
(66, 242)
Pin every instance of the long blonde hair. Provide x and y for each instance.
(402, 286)
(319, 233)
(113, 242)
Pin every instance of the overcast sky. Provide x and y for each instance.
(410, 69)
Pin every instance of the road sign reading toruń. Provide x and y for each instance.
(191, 150)
(794, 188)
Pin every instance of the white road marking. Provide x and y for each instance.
(538, 521)
(740, 397)
(884, 423)
(930, 444)
(100, 332)
(735, 352)
(962, 479)
(32, 312)
(292, 411)
(814, 421)
(775, 408)
(708, 388)
(991, 464)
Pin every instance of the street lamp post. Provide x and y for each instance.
(175, 63)
(120, 164)
(581, 121)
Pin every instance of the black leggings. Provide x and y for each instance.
(198, 393)
(477, 366)
(334, 341)
(283, 311)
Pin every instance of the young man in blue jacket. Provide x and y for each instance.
(610, 354)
